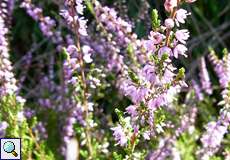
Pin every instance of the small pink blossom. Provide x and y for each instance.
(119, 135)
(149, 74)
(179, 49)
(156, 37)
(132, 110)
(149, 46)
(170, 4)
(181, 15)
(153, 104)
(169, 23)
(164, 50)
(182, 35)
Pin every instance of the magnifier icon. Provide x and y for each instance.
(9, 147)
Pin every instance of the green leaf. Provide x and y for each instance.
(180, 74)
(133, 77)
(155, 19)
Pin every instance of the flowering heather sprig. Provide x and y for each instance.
(46, 23)
(47, 85)
(6, 9)
(221, 67)
(155, 84)
(77, 57)
(68, 130)
(212, 138)
(114, 24)
(7, 80)
(117, 35)
(119, 135)
(204, 77)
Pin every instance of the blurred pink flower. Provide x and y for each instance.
(190, 1)
(170, 4)
(169, 23)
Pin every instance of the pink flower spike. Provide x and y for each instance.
(181, 15)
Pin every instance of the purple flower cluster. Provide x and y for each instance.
(119, 135)
(215, 131)
(155, 84)
(110, 20)
(47, 85)
(40, 130)
(76, 115)
(144, 72)
(6, 9)
(28, 113)
(46, 23)
(165, 150)
(221, 67)
(8, 82)
(73, 16)
(211, 140)
(187, 122)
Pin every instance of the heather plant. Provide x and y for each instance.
(83, 82)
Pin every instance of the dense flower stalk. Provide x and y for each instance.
(215, 131)
(221, 67)
(8, 82)
(212, 138)
(46, 23)
(74, 16)
(77, 56)
(154, 83)
(40, 130)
